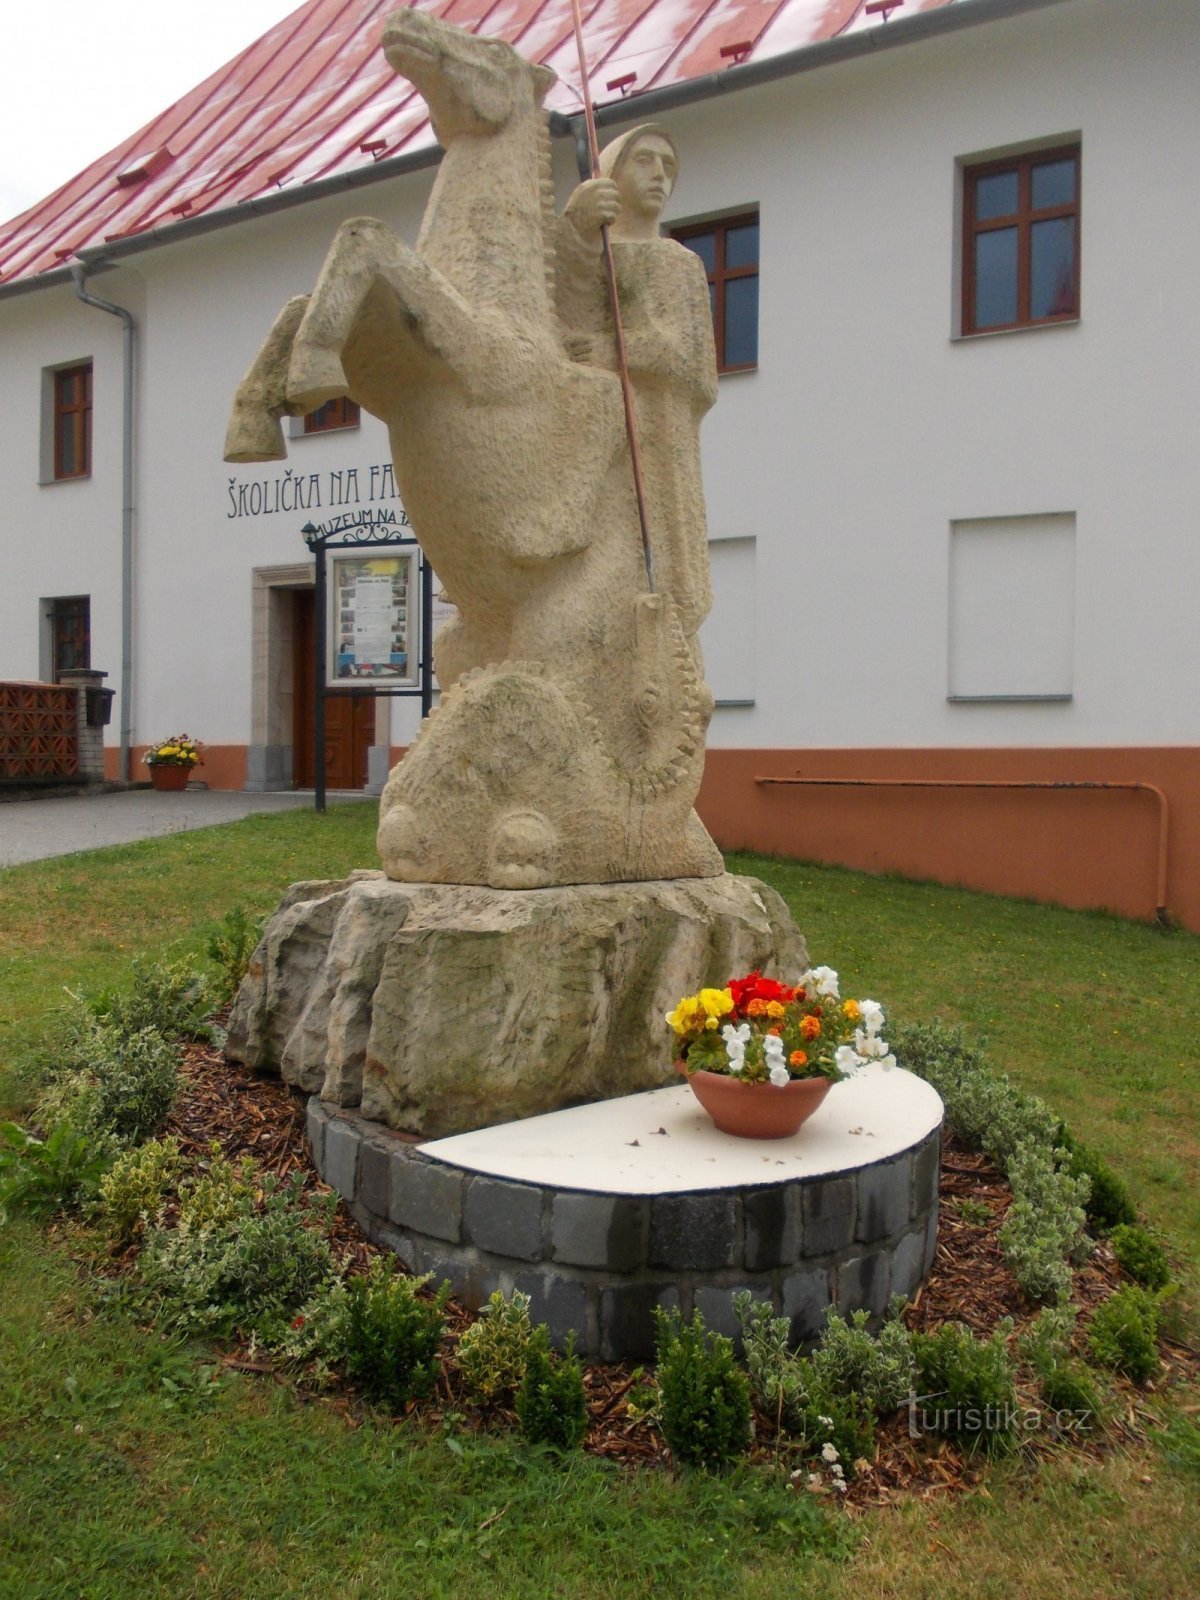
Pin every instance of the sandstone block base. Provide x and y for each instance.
(435, 1009)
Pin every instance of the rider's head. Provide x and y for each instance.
(643, 164)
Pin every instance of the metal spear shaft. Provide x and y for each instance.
(635, 454)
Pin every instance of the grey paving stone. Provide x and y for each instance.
(884, 1200)
(341, 1156)
(692, 1232)
(908, 1262)
(400, 1244)
(626, 1319)
(560, 1301)
(864, 1283)
(599, 1230)
(803, 1301)
(826, 1216)
(504, 1218)
(374, 1175)
(927, 1168)
(427, 1196)
(716, 1307)
(771, 1223)
(316, 1119)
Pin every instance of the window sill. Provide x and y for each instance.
(1008, 699)
(733, 705)
(78, 477)
(738, 372)
(1007, 333)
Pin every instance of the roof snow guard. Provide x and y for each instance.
(313, 105)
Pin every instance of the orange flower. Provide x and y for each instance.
(851, 1009)
(774, 1010)
(775, 1031)
(810, 1027)
(798, 1059)
(756, 1008)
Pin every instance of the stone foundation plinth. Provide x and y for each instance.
(437, 1008)
(602, 1212)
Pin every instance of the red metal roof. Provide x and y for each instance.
(314, 97)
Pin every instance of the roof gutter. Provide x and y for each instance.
(78, 273)
(636, 107)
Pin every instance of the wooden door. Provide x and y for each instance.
(349, 719)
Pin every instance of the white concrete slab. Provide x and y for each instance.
(662, 1142)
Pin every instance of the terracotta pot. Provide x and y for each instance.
(757, 1110)
(164, 776)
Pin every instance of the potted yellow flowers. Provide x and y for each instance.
(171, 761)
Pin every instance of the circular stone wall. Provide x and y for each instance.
(602, 1212)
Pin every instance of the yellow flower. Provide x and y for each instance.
(774, 1009)
(715, 1002)
(686, 1017)
(851, 1009)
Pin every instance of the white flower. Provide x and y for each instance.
(825, 1422)
(872, 1015)
(739, 1035)
(847, 1060)
(824, 980)
(869, 1045)
(814, 1482)
(780, 1076)
(736, 1063)
(773, 1048)
(829, 1452)
(839, 1486)
(887, 1062)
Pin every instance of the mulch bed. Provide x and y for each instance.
(260, 1117)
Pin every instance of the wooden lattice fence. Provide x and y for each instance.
(38, 737)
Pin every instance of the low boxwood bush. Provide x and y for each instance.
(1140, 1254)
(802, 1399)
(133, 1189)
(1124, 1332)
(250, 1271)
(115, 1085)
(1066, 1386)
(1109, 1202)
(551, 1403)
(850, 1360)
(705, 1396)
(493, 1351)
(967, 1391)
(219, 1193)
(392, 1335)
(1045, 1231)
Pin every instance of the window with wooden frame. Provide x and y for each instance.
(729, 251)
(1021, 241)
(70, 633)
(73, 421)
(339, 413)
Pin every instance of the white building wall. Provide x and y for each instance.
(867, 430)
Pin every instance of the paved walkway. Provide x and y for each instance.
(59, 825)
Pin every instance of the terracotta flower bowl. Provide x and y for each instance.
(757, 1110)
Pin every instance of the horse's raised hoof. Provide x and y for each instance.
(254, 435)
(314, 376)
(404, 846)
(524, 846)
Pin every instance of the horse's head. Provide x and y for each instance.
(472, 85)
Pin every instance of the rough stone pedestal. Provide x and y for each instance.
(435, 1009)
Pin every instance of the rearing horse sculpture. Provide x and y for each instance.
(538, 767)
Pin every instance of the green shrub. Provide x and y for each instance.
(1139, 1254)
(848, 1360)
(230, 946)
(1045, 1231)
(1124, 1332)
(551, 1404)
(984, 1109)
(1109, 1202)
(493, 1351)
(1066, 1387)
(967, 1390)
(166, 995)
(114, 1084)
(133, 1188)
(392, 1336)
(705, 1397)
(250, 1272)
(220, 1193)
(315, 1338)
(39, 1177)
(778, 1379)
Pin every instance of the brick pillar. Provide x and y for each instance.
(90, 740)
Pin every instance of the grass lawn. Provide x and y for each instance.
(125, 1468)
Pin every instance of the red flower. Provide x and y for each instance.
(755, 987)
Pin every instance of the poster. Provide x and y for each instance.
(374, 619)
